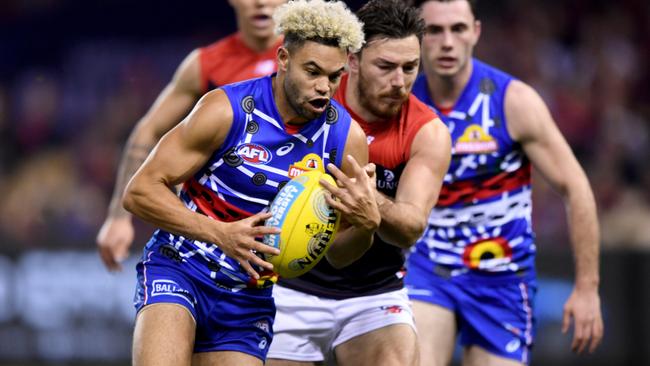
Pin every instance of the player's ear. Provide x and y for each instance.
(477, 31)
(283, 58)
(353, 61)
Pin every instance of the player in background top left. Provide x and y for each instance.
(248, 53)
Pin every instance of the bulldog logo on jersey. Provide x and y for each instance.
(309, 162)
(488, 254)
(254, 153)
(475, 141)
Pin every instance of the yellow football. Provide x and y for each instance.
(307, 222)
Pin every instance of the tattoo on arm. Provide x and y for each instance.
(132, 158)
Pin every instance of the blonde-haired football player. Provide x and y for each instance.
(203, 295)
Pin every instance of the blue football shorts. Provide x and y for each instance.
(227, 319)
(497, 317)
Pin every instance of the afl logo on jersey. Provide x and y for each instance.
(254, 153)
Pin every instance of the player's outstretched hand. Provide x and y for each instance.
(583, 306)
(355, 196)
(238, 242)
(114, 240)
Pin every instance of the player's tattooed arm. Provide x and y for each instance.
(173, 103)
(133, 156)
(116, 234)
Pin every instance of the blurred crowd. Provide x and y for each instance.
(63, 123)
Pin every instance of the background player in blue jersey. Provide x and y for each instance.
(200, 298)
(247, 54)
(360, 314)
(473, 270)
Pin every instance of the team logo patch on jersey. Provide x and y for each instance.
(475, 141)
(309, 162)
(254, 153)
(487, 254)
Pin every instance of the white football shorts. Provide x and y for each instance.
(308, 328)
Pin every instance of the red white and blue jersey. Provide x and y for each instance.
(481, 226)
(241, 178)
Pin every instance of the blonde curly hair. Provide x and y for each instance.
(320, 20)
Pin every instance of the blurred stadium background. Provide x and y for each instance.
(75, 76)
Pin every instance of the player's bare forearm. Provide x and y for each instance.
(132, 157)
(404, 218)
(349, 245)
(157, 204)
(401, 223)
(583, 305)
(584, 231)
(154, 202)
